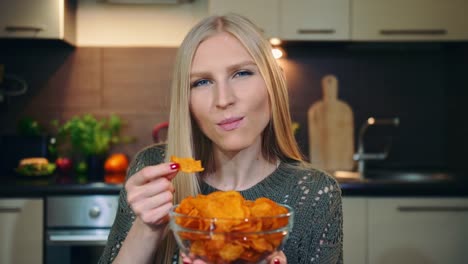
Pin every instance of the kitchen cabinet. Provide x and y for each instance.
(264, 13)
(292, 20)
(314, 20)
(401, 20)
(21, 231)
(411, 230)
(46, 19)
(354, 230)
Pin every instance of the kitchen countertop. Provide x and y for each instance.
(387, 183)
(52, 186)
(380, 188)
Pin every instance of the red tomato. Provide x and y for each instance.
(64, 164)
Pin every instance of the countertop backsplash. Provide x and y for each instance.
(421, 83)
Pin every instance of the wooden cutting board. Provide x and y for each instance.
(331, 130)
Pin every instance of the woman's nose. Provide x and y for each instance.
(224, 96)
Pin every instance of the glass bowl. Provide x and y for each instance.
(230, 240)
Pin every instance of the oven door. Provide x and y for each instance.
(78, 227)
(75, 246)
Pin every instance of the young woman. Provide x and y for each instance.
(230, 110)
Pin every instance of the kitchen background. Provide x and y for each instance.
(113, 68)
(120, 61)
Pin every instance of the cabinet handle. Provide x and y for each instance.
(316, 31)
(23, 28)
(432, 208)
(430, 32)
(7, 209)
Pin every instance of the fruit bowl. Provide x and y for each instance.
(230, 240)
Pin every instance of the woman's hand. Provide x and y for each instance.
(187, 260)
(150, 192)
(277, 258)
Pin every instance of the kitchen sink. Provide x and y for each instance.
(395, 176)
(408, 176)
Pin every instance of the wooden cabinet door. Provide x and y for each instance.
(314, 19)
(354, 230)
(399, 20)
(417, 231)
(32, 19)
(264, 13)
(21, 231)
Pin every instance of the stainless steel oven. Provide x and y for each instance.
(77, 227)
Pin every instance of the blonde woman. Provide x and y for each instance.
(230, 109)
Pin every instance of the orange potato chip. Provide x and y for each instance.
(236, 232)
(188, 165)
(231, 252)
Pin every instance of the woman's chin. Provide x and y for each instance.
(235, 145)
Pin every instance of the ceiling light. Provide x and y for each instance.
(278, 52)
(275, 41)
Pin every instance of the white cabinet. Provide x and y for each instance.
(405, 230)
(315, 20)
(264, 13)
(400, 20)
(354, 230)
(357, 20)
(21, 231)
(410, 230)
(48, 19)
(292, 20)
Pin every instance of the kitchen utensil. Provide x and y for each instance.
(157, 138)
(331, 130)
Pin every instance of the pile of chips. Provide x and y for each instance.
(223, 227)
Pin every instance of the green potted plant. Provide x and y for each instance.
(91, 139)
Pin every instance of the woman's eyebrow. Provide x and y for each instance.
(230, 68)
(241, 64)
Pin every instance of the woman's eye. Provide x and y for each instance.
(200, 83)
(243, 73)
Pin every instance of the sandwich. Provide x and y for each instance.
(35, 167)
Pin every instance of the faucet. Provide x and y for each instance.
(361, 156)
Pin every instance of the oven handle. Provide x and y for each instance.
(77, 239)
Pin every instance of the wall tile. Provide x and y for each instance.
(137, 79)
(74, 86)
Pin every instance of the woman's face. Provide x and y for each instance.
(228, 98)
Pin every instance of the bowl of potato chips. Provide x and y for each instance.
(223, 227)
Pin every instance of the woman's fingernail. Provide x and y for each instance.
(276, 261)
(185, 262)
(175, 166)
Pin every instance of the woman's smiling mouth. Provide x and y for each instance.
(230, 123)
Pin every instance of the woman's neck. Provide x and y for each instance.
(239, 170)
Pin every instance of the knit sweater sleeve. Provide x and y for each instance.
(125, 216)
(328, 241)
(318, 230)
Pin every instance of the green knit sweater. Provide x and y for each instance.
(317, 235)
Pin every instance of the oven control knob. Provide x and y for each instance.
(94, 212)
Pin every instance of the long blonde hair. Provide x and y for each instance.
(185, 139)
